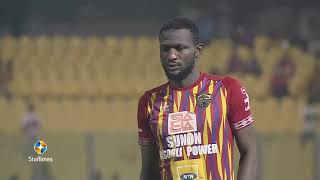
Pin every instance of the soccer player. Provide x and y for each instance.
(187, 126)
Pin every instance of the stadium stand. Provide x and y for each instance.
(76, 67)
(81, 84)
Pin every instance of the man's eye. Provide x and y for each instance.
(180, 48)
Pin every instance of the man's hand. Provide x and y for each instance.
(150, 163)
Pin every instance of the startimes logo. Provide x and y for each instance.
(40, 147)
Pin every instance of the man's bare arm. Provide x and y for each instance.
(246, 142)
(150, 163)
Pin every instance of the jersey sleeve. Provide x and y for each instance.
(239, 113)
(145, 136)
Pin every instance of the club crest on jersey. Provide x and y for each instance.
(203, 100)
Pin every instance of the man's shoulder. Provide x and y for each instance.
(212, 76)
(157, 89)
(226, 79)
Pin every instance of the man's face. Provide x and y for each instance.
(177, 53)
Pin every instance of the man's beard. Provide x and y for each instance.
(183, 74)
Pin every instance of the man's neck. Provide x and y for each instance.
(191, 78)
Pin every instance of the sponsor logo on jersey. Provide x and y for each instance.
(188, 176)
(188, 172)
(182, 122)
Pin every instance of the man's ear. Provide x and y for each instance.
(199, 48)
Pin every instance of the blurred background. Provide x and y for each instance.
(71, 73)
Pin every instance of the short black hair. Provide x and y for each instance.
(182, 23)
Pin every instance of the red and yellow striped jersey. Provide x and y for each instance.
(193, 127)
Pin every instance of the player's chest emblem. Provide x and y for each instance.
(203, 100)
(182, 122)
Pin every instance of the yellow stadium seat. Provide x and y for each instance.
(94, 46)
(8, 48)
(59, 47)
(244, 53)
(42, 46)
(25, 47)
(111, 45)
(40, 83)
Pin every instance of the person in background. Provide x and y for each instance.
(31, 125)
(253, 67)
(235, 64)
(6, 76)
(283, 72)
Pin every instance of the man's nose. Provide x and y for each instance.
(172, 54)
